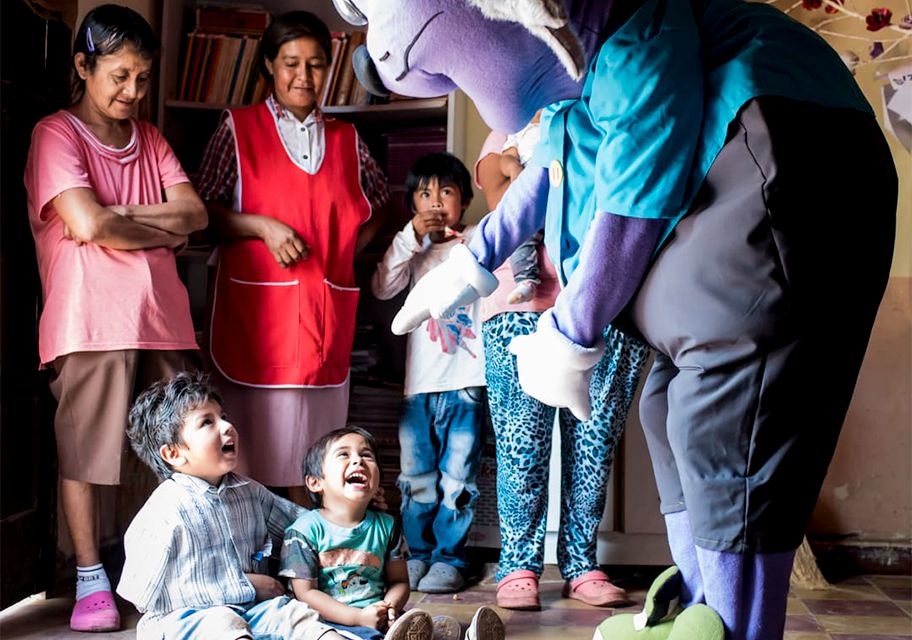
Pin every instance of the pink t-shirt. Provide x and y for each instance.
(99, 299)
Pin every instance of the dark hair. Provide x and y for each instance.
(157, 416)
(447, 168)
(107, 29)
(313, 459)
(291, 26)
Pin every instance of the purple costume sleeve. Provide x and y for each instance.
(520, 213)
(613, 261)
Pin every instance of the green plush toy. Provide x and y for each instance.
(662, 617)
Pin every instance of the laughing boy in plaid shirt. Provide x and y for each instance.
(196, 552)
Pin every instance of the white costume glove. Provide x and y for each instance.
(458, 281)
(554, 370)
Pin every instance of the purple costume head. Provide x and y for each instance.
(425, 48)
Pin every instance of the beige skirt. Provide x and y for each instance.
(277, 426)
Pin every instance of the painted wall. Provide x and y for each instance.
(868, 491)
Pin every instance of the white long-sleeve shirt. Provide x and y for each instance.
(445, 354)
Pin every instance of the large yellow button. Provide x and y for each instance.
(556, 173)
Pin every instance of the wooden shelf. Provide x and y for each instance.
(420, 108)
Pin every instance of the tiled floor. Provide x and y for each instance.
(864, 608)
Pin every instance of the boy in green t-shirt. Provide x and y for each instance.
(348, 563)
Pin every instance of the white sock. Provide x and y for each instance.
(91, 580)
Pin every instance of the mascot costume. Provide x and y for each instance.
(690, 183)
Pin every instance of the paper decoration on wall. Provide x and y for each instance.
(875, 25)
(897, 101)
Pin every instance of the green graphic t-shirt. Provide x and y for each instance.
(347, 564)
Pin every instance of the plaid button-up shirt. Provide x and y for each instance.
(191, 543)
(218, 173)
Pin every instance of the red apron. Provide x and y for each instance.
(294, 327)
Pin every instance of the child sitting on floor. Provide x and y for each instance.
(349, 563)
(196, 552)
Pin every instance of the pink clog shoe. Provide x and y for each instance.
(519, 590)
(595, 588)
(96, 612)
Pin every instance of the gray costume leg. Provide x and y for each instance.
(762, 305)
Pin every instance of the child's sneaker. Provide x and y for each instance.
(523, 292)
(485, 625)
(446, 628)
(414, 624)
(416, 571)
(441, 578)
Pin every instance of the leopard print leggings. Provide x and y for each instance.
(523, 427)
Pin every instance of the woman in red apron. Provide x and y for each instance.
(288, 191)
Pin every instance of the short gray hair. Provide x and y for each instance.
(157, 416)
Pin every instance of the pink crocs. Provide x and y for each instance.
(96, 612)
(519, 590)
(595, 588)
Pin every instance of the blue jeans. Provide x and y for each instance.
(441, 436)
(362, 633)
(280, 618)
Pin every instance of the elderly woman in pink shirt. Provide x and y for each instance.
(108, 204)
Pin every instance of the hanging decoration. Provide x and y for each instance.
(869, 33)
(880, 29)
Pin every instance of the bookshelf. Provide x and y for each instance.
(187, 124)
(388, 129)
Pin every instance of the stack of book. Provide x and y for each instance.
(341, 87)
(221, 56)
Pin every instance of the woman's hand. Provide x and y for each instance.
(285, 245)
(266, 587)
(424, 222)
(68, 234)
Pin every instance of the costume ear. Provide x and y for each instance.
(367, 74)
(172, 455)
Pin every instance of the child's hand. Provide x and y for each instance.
(425, 222)
(510, 165)
(375, 616)
(266, 587)
(523, 292)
